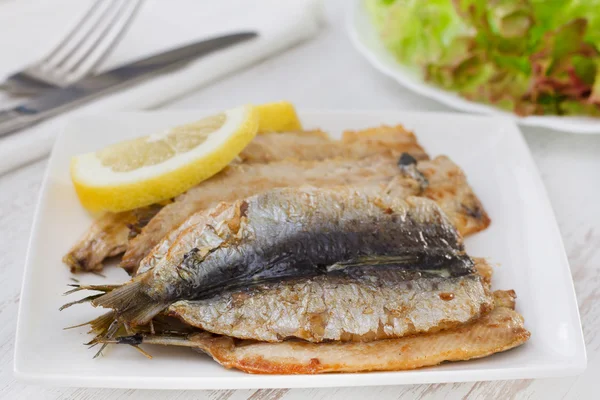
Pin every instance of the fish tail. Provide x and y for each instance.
(97, 288)
(130, 304)
(98, 325)
(107, 330)
(163, 330)
(101, 325)
(131, 308)
(84, 300)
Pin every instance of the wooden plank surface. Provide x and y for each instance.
(569, 165)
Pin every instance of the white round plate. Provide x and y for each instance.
(366, 40)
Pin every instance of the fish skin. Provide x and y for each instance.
(380, 172)
(503, 329)
(379, 303)
(287, 233)
(110, 234)
(295, 232)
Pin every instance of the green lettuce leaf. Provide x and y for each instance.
(527, 56)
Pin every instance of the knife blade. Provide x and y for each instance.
(55, 101)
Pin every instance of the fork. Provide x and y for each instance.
(80, 52)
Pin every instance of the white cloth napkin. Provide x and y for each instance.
(30, 28)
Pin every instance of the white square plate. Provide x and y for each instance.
(523, 239)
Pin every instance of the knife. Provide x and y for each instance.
(56, 101)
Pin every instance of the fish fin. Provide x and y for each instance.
(144, 352)
(84, 300)
(98, 323)
(76, 326)
(99, 353)
(374, 261)
(101, 325)
(130, 304)
(98, 288)
(133, 341)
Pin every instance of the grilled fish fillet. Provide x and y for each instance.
(110, 234)
(380, 172)
(502, 329)
(288, 233)
(449, 188)
(447, 185)
(365, 304)
(317, 145)
(499, 330)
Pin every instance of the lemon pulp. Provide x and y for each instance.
(150, 169)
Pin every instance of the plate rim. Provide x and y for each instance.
(568, 124)
(577, 364)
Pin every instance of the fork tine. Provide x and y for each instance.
(110, 36)
(106, 18)
(72, 33)
(83, 49)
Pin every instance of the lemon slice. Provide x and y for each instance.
(150, 169)
(278, 117)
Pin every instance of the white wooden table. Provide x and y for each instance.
(326, 73)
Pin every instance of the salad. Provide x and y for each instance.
(532, 57)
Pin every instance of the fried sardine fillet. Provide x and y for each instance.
(364, 304)
(107, 237)
(378, 171)
(499, 330)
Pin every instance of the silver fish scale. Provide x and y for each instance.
(378, 172)
(293, 232)
(339, 308)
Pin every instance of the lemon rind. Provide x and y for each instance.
(150, 188)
